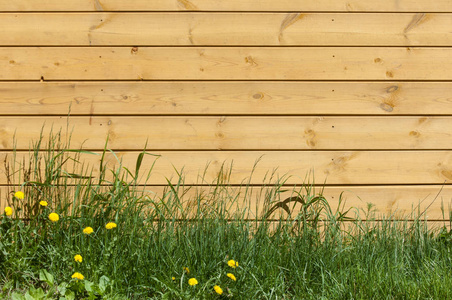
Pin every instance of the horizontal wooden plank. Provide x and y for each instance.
(235, 133)
(332, 167)
(228, 29)
(225, 98)
(217, 63)
(231, 5)
(403, 202)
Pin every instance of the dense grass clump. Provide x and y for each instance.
(82, 233)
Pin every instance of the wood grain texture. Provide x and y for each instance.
(217, 63)
(235, 133)
(225, 29)
(140, 94)
(231, 5)
(332, 167)
(396, 201)
(225, 98)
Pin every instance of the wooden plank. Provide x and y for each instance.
(217, 63)
(225, 98)
(332, 167)
(228, 29)
(231, 5)
(396, 201)
(235, 133)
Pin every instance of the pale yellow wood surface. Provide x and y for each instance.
(225, 98)
(334, 167)
(396, 201)
(235, 133)
(231, 5)
(415, 149)
(313, 63)
(217, 29)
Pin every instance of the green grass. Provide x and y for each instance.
(315, 252)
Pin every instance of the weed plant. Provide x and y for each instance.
(199, 243)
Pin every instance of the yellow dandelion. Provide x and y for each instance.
(54, 217)
(187, 270)
(110, 225)
(78, 276)
(218, 289)
(19, 195)
(8, 211)
(233, 264)
(230, 275)
(78, 258)
(43, 203)
(192, 281)
(173, 278)
(88, 230)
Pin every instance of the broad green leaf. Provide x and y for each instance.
(88, 286)
(29, 297)
(17, 296)
(70, 295)
(36, 293)
(104, 282)
(62, 288)
(46, 277)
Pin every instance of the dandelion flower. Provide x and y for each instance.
(218, 289)
(110, 225)
(232, 263)
(187, 270)
(54, 217)
(19, 195)
(88, 230)
(43, 203)
(8, 211)
(230, 275)
(173, 278)
(78, 258)
(77, 275)
(192, 281)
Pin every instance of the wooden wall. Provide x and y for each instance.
(359, 91)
